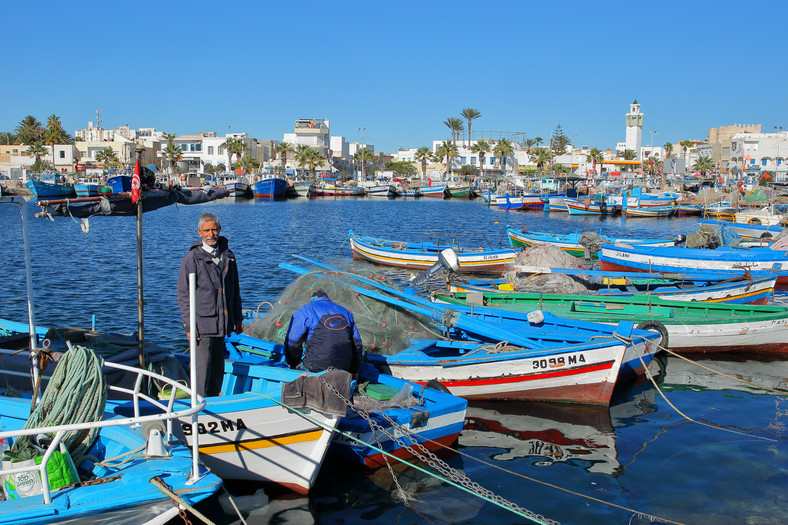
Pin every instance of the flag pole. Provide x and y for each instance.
(136, 197)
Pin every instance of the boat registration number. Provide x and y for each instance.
(557, 362)
(215, 427)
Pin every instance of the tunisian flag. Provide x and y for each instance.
(135, 183)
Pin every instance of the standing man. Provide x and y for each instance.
(217, 301)
(330, 334)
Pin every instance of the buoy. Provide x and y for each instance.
(278, 323)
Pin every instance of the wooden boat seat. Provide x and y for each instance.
(596, 307)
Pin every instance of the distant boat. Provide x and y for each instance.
(591, 205)
(422, 255)
(650, 211)
(337, 191)
(435, 191)
(270, 188)
(50, 190)
(381, 190)
(570, 242)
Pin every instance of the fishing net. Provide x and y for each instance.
(712, 236)
(548, 256)
(546, 283)
(385, 328)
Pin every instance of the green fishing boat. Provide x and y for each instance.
(685, 326)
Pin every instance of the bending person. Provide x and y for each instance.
(330, 335)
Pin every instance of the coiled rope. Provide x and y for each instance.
(76, 393)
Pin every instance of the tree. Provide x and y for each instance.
(7, 138)
(502, 150)
(172, 153)
(249, 163)
(29, 131)
(668, 150)
(470, 114)
(596, 157)
(423, 154)
(55, 134)
(282, 150)
(107, 157)
(448, 150)
(559, 141)
(406, 169)
(629, 154)
(364, 155)
(481, 148)
(233, 146)
(538, 141)
(540, 156)
(455, 125)
(468, 170)
(530, 143)
(36, 150)
(703, 165)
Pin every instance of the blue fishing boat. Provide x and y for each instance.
(679, 259)
(591, 205)
(119, 183)
(571, 242)
(746, 231)
(422, 255)
(50, 189)
(427, 416)
(270, 188)
(437, 191)
(156, 467)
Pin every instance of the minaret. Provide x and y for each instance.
(634, 128)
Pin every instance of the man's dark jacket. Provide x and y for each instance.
(331, 337)
(218, 297)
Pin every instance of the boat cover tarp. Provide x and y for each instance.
(151, 200)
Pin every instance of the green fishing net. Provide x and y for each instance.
(385, 328)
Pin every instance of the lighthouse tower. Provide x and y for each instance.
(634, 128)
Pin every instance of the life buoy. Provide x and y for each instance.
(766, 235)
(651, 324)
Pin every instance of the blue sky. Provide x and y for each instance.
(399, 69)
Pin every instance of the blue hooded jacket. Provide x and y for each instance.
(330, 334)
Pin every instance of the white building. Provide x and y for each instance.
(634, 133)
(310, 132)
(761, 152)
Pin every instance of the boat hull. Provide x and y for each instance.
(272, 188)
(383, 252)
(569, 375)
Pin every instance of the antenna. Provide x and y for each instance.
(98, 118)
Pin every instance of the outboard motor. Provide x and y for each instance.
(447, 262)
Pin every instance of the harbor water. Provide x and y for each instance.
(706, 449)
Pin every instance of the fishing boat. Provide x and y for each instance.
(509, 202)
(50, 190)
(303, 189)
(422, 255)
(328, 190)
(582, 373)
(688, 210)
(570, 242)
(739, 291)
(719, 209)
(679, 259)
(87, 187)
(591, 206)
(270, 188)
(460, 191)
(765, 216)
(435, 191)
(156, 467)
(381, 191)
(686, 326)
(428, 416)
(746, 231)
(649, 211)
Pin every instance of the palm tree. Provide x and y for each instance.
(703, 165)
(530, 143)
(233, 146)
(629, 154)
(282, 150)
(482, 148)
(668, 150)
(540, 156)
(685, 146)
(423, 154)
(7, 138)
(107, 156)
(455, 125)
(596, 157)
(502, 149)
(55, 134)
(538, 141)
(36, 150)
(314, 158)
(470, 114)
(448, 150)
(249, 163)
(29, 131)
(364, 155)
(172, 153)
